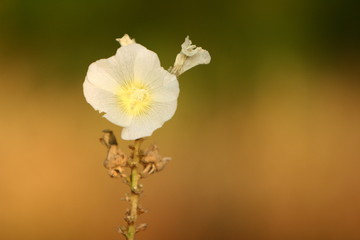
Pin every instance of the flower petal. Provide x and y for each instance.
(145, 125)
(169, 91)
(107, 102)
(146, 66)
(164, 110)
(147, 70)
(125, 57)
(105, 74)
(110, 73)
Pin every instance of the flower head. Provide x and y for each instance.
(132, 89)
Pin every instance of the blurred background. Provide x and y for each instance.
(265, 141)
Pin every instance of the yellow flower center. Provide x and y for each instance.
(135, 98)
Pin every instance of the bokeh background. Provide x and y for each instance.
(265, 141)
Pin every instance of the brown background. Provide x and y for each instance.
(265, 141)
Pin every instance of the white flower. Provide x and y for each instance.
(189, 57)
(132, 89)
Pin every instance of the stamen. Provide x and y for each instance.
(135, 98)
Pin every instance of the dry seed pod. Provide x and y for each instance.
(162, 163)
(153, 162)
(115, 160)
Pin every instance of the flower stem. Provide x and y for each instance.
(135, 190)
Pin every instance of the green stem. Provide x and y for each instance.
(134, 195)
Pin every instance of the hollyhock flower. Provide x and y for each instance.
(132, 90)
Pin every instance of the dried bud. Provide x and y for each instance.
(152, 155)
(115, 160)
(126, 198)
(125, 40)
(140, 210)
(123, 230)
(108, 138)
(152, 161)
(141, 227)
(162, 163)
(189, 57)
(129, 219)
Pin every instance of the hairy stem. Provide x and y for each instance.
(135, 191)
